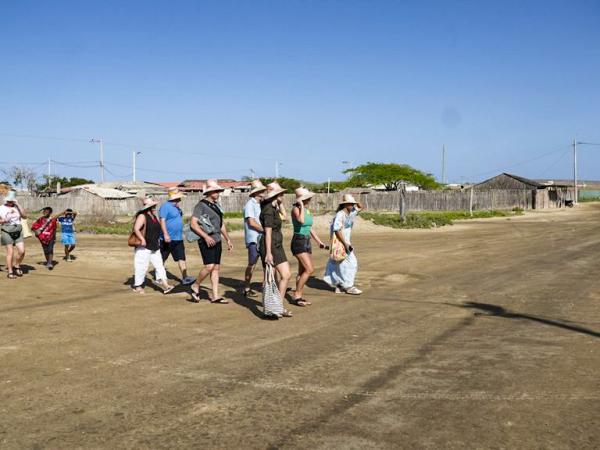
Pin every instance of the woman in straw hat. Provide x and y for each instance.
(253, 231)
(341, 275)
(147, 230)
(207, 222)
(302, 220)
(171, 224)
(271, 245)
(11, 234)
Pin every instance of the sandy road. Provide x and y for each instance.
(481, 335)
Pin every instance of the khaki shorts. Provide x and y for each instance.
(11, 234)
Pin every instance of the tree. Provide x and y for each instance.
(50, 181)
(286, 183)
(22, 176)
(391, 175)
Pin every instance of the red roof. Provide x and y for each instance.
(168, 184)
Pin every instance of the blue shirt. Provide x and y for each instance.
(251, 210)
(66, 225)
(174, 220)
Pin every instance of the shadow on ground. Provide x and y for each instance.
(488, 309)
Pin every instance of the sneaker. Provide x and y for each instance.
(50, 266)
(353, 291)
(188, 280)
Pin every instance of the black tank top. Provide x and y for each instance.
(152, 232)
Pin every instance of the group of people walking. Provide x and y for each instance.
(14, 230)
(158, 236)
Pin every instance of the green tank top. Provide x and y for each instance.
(303, 229)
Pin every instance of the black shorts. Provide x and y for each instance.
(173, 248)
(48, 248)
(210, 255)
(301, 244)
(252, 253)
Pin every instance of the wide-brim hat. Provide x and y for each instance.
(257, 187)
(303, 194)
(211, 186)
(148, 203)
(273, 190)
(11, 197)
(174, 194)
(348, 199)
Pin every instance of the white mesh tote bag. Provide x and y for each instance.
(272, 305)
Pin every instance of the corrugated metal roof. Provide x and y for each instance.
(106, 193)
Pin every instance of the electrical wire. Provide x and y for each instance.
(551, 166)
(502, 169)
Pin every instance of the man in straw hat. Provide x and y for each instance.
(252, 231)
(171, 224)
(207, 222)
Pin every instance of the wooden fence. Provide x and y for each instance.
(378, 201)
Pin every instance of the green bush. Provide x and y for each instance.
(430, 219)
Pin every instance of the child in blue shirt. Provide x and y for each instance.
(67, 230)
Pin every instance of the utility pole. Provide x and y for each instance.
(134, 164)
(277, 164)
(252, 174)
(99, 141)
(49, 172)
(575, 171)
(443, 164)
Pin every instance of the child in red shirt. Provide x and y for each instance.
(45, 230)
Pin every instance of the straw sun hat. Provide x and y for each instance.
(273, 190)
(148, 203)
(175, 194)
(348, 199)
(257, 187)
(210, 187)
(303, 194)
(11, 197)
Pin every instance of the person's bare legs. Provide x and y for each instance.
(20, 247)
(305, 261)
(182, 268)
(248, 276)
(214, 281)
(10, 251)
(283, 270)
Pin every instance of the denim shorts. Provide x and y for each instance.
(301, 244)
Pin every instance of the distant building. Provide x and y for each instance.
(544, 195)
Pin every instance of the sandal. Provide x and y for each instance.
(300, 302)
(249, 293)
(286, 313)
(18, 271)
(195, 294)
(139, 291)
(219, 301)
(166, 290)
(11, 276)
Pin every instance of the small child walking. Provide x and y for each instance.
(45, 230)
(67, 232)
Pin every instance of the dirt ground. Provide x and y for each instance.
(482, 335)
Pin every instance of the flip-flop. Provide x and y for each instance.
(18, 271)
(300, 302)
(195, 294)
(169, 289)
(219, 301)
(11, 276)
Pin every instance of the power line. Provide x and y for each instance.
(551, 166)
(502, 169)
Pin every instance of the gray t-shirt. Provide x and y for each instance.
(215, 218)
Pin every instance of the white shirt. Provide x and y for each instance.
(10, 215)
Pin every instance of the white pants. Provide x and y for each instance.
(141, 262)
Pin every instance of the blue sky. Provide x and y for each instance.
(206, 88)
